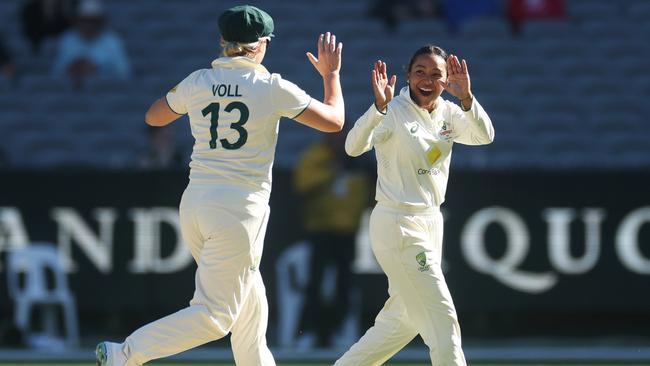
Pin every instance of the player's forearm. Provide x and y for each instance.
(333, 95)
(480, 128)
(160, 114)
(359, 139)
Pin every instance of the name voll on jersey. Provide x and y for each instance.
(225, 90)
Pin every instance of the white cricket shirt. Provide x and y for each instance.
(234, 110)
(413, 147)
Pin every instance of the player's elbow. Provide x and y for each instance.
(483, 139)
(333, 119)
(339, 121)
(490, 138)
(352, 153)
(351, 150)
(322, 117)
(149, 119)
(160, 114)
(331, 124)
(337, 126)
(156, 120)
(152, 121)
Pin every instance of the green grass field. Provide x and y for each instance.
(160, 363)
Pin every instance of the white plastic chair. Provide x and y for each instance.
(33, 262)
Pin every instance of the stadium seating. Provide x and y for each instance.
(589, 70)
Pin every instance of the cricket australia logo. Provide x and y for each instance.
(445, 132)
(422, 261)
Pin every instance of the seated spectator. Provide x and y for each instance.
(392, 12)
(90, 49)
(521, 10)
(7, 66)
(457, 12)
(46, 18)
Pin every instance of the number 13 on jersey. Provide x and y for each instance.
(213, 110)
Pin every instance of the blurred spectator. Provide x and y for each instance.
(521, 10)
(162, 149)
(46, 18)
(334, 196)
(7, 66)
(459, 11)
(90, 48)
(392, 12)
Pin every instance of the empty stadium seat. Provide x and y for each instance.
(637, 11)
(548, 29)
(485, 28)
(593, 10)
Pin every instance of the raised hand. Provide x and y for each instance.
(458, 83)
(329, 55)
(382, 87)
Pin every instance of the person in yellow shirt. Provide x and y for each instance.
(334, 195)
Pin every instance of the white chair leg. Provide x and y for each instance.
(22, 316)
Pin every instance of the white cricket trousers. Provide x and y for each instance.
(226, 239)
(408, 247)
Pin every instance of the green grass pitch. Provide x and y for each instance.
(162, 363)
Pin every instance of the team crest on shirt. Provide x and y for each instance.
(445, 132)
(422, 261)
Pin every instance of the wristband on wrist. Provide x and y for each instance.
(470, 98)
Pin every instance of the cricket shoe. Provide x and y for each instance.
(109, 354)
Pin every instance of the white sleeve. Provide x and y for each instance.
(368, 131)
(178, 96)
(472, 127)
(288, 98)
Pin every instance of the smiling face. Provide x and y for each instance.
(424, 74)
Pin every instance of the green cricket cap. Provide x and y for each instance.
(245, 24)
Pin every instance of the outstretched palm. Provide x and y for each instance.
(329, 55)
(382, 87)
(458, 83)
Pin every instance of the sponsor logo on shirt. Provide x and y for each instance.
(433, 171)
(433, 154)
(414, 128)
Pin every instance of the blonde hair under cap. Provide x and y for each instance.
(233, 49)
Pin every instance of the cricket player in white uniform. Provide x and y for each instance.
(412, 135)
(234, 109)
